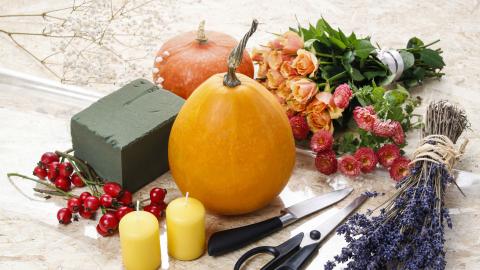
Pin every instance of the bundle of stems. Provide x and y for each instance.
(408, 232)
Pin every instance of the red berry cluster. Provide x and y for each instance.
(59, 173)
(114, 203)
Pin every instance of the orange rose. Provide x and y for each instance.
(291, 42)
(295, 105)
(274, 79)
(319, 118)
(303, 89)
(258, 55)
(287, 70)
(262, 70)
(305, 63)
(274, 59)
(284, 91)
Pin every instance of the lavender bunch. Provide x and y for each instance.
(408, 232)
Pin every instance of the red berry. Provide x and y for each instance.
(64, 216)
(342, 95)
(154, 209)
(399, 168)
(74, 204)
(326, 162)
(349, 166)
(108, 222)
(387, 154)
(113, 189)
(398, 136)
(367, 158)
(364, 117)
(65, 169)
(77, 180)
(40, 172)
(299, 127)
(157, 195)
(125, 198)
(106, 200)
(62, 183)
(85, 213)
(122, 211)
(91, 203)
(322, 140)
(102, 232)
(49, 157)
(84, 195)
(52, 171)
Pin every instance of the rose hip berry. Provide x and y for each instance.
(62, 183)
(154, 209)
(106, 200)
(77, 180)
(85, 213)
(84, 195)
(102, 232)
(52, 171)
(48, 158)
(40, 172)
(113, 189)
(122, 211)
(108, 223)
(157, 195)
(74, 204)
(65, 169)
(64, 216)
(91, 203)
(125, 198)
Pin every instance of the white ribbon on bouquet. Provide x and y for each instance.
(393, 60)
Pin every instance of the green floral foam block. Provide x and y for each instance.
(124, 136)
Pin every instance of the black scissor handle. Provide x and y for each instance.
(279, 252)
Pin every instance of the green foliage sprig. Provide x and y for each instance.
(353, 59)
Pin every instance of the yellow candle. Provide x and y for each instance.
(185, 228)
(140, 241)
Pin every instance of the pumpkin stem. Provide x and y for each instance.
(230, 79)
(201, 37)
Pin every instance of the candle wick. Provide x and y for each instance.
(186, 198)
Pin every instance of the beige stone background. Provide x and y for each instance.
(32, 123)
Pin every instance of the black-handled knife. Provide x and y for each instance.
(225, 241)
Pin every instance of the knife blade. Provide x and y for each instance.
(228, 240)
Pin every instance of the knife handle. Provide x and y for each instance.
(225, 241)
(300, 258)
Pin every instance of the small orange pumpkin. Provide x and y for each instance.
(187, 60)
(231, 145)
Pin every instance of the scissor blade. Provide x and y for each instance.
(334, 220)
(315, 204)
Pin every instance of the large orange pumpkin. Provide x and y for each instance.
(187, 60)
(231, 145)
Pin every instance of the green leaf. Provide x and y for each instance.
(363, 48)
(414, 43)
(377, 94)
(419, 73)
(431, 58)
(396, 96)
(356, 75)
(372, 74)
(348, 57)
(309, 43)
(408, 59)
(338, 43)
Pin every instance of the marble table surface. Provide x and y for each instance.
(35, 118)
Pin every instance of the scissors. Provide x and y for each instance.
(297, 252)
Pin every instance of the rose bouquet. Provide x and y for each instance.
(322, 78)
